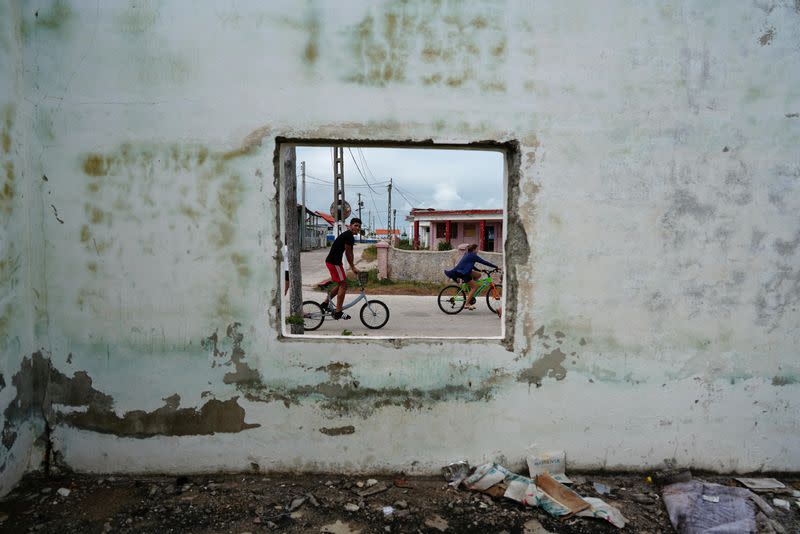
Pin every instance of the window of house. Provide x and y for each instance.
(441, 230)
(365, 178)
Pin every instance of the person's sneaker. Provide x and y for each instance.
(338, 315)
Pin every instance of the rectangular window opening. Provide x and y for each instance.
(427, 213)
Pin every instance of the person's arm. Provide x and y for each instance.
(478, 259)
(348, 252)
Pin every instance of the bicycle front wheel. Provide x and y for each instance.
(494, 297)
(313, 315)
(374, 314)
(451, 299)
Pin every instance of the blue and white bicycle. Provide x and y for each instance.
(374, 313)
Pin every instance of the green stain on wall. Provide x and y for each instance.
(240, 262)
(137, 18)
(7, 192)
(55, 17)
(8, 123)
(95, 165)
(230, 195)
(447, 39)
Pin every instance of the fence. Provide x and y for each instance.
(422, 265)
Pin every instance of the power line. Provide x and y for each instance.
(409, 193)
(359, 170)
(322, 181)
(364, 161)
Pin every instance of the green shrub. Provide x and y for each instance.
(445, 245)
(405, 244)
(294, 319)
(372, 276)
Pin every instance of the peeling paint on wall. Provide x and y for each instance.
(42, 390)
(212, 417)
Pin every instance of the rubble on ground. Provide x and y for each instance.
(331, 503)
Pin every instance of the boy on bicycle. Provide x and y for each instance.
(342, 246)
(463, 271)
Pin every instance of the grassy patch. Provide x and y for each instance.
(374, 286)
(370, 253)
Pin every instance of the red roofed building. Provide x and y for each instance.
(481, 227)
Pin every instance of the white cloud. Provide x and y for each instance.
(446, 197)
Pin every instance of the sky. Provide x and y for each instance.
(421, 178)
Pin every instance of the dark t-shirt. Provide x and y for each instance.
(337, 249)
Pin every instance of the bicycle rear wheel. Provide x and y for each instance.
(374, 314)
(313, 316)
(451, 299)
(494, 297)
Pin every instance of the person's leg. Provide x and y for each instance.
(473, 287)
(338, 276)
(340, 296)
(332, 293)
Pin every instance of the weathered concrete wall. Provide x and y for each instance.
(21, 422)
(429, 266)
(655, 256)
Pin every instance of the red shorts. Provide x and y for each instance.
(337, 272)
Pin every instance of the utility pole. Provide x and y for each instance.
(360, 205)
(338, 187)
(394, 220)
(289, 157)
(303, 212)
(389, 212)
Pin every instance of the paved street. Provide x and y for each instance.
(409, 316)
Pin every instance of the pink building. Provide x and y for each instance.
(482, 227)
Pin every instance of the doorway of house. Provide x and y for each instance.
(489, 245)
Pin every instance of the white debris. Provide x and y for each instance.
(351, 507)
(371, 482)
(64, 492)
(780, 503)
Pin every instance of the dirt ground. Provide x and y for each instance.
(322, 503)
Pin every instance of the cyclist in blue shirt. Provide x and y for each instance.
(464, 271)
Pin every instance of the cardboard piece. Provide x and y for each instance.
(517, 487)
(560, 494)
(486, 476)
(554, 463)
(602, 510)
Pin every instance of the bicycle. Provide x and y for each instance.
(452, 298)
(374, 313)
